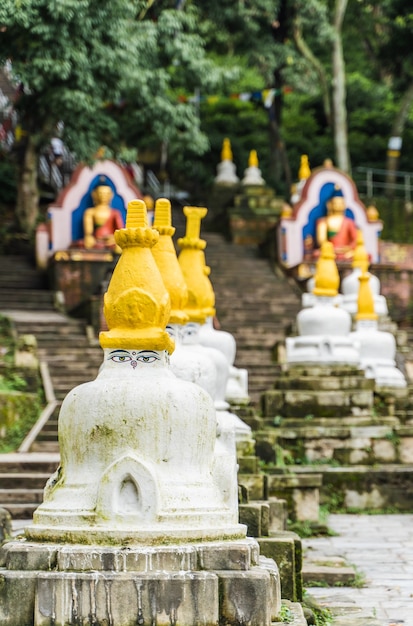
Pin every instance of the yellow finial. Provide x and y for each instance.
(372, 213)
(304, 172)
(136, 216)
(326, 279)
(253, 159)
(226, 152)
(286, 211)
(194, 215)
(360, 256)
(165, 257)
(365, 302)
(201, 297)
(136, 305)
(162, 218)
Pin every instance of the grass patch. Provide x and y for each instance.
(314, 613)
(19, 408)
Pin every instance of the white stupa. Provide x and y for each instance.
(227, 174)
(137, 444)
(323, 329)
(252, 175)
(139, 524)
(377, 348)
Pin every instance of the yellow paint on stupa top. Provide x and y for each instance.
(201, 297)
(165, 257)
(137, 304)
(253, 159)
(365, 301)
(304, 172)
(360, 256)
(327, 278)
(286, 211)
(226, 152)
(372, 213)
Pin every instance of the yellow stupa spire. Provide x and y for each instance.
(360, 257)
(226, 152)
(304, 172)
(365, 301)
(165, 257)
(201, 297)
(136, 305)
(253, 159)
(327, 278)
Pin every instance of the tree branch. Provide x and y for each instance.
(306, 52)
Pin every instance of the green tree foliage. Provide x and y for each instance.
(110, 70)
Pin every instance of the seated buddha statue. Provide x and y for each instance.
(101, 220)
(337, 227)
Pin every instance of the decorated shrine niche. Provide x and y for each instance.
(76, 244)
(65, 228)
(329, 208)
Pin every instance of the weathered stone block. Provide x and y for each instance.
(301, 493)
(234, 556)
(125, 598)
(278, 515)
(272, 402)
(21, 555)
(250, 515)
(255, 484)
(247, 465)
(384, 451)
(286, 550)
(13, 588)
(246, 598)
(406, 450)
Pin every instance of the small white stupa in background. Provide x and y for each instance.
(303, 173)
(227, 174)
(350, 284)
(252, 175)
(323, 329)
(377, 348)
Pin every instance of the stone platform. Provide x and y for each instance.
(218, 582)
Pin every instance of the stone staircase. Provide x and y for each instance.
(332, 421)
(254, 304)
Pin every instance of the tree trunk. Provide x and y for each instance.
(339, 91)
(27, 203)
(393, 152)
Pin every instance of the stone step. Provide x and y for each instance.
(25, 297)
(45, 446)
(66, 329)
(22, 510)
(324, 383)
(361, 487)
(327, 571)
(20, 496)
(297, 403)
(27, 464)
(22, 481)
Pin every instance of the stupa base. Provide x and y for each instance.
(47, 584)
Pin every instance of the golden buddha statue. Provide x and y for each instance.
(101, 220)
(337, 228)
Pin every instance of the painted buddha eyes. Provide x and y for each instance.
(147, 358)
(141, 356)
